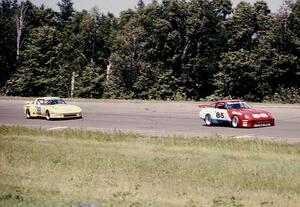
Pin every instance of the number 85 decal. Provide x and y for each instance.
(220, 115)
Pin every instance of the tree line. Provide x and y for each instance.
(169, 50)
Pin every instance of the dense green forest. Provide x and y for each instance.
(169, 50)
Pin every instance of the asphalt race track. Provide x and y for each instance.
(155, 119)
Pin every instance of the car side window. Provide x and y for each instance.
(40, 102)
(226, 106)
(220, 106)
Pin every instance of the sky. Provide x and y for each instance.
(116, 6)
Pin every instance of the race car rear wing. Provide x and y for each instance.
(29, 102)
(204, 105)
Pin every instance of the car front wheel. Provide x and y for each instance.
(207, 120)
(28, 116)
(235, 122)
(48, 117)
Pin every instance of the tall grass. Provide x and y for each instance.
(84, 168)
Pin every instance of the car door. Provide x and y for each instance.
(221, 114)
(40, 107)
(43, 107)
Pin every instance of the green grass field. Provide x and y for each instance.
(93, 169)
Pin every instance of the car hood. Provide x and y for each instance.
(250, 111)
(65, 108)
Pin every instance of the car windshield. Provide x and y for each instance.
(238, 105)
(55, 101)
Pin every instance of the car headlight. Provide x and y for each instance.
(237, 113)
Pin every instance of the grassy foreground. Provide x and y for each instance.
(92, 169)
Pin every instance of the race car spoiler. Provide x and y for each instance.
(204, 105)
(29, 102)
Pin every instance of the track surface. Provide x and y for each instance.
(156, 119)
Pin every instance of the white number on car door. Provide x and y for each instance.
(221, 113)
(39, 106)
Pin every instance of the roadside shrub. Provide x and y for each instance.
(286, 95)
(227, 202)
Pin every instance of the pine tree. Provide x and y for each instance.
(91, 83)
(8, 64)
(39, 73)
(155, 2)
(140, 5)
(66, 10)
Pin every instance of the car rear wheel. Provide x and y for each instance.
(28, 116)
(235, 122)
(207, 120)
(48, 117)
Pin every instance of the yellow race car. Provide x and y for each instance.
(51, 108)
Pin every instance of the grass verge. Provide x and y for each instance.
(84, 168)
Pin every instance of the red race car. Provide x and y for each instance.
(235, 113)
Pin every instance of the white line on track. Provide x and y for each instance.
(247, 136)
(57, 128)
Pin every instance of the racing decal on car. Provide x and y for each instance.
(38, 109)
(220, 115)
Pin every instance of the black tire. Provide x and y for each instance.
(48, 117)
(235, 122)
(207, 120)
(28, 116)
